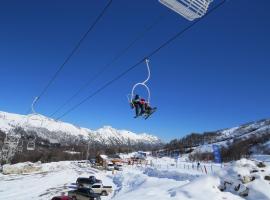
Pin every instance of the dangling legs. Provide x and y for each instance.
(142, 107)
(137, 109)
(147, 108)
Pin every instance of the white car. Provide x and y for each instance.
(98, 188)
(118, 167)
(110, 166)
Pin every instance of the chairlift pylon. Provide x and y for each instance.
(9, 147)
(189, 9)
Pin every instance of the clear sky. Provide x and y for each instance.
(214, 76)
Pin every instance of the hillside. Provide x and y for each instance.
(50, 135)
(236, 142)
(58, 131)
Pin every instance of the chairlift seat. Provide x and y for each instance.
(5, 148)
(189, 9)
(31, 146)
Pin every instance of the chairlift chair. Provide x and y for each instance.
(189, 9)
(31, 146)
(148, 111)
(5, 147)
(20, 147)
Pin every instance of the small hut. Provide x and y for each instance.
(102, 160)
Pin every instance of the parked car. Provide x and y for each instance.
(110, 167)
(87, 182)
(93, 161)
(62, 198)
(83, 194)
(118, 167)
(101, 189)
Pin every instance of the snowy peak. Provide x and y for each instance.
(245, 130)
(51, 130)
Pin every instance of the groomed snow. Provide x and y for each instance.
(163, 179)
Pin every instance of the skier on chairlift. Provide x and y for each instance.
(141, 106)
(137, 104)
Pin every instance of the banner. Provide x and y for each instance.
(217, 153)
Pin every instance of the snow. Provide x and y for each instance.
(72, 152)
(132, 184)
(258, 157)
(22, 168)
(52, 180)
(104, 157)
(158, 180)
(240, 171)
(225, 137)
(54, 131)
(204, 188)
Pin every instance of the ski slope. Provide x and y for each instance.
(160, 180)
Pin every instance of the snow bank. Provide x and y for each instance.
(22, 168)
(169, 174)
(128, 182)
(204, 188)
(248, 176)
(153, 184)
(28, 167)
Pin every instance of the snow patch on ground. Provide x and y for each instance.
(169, 174)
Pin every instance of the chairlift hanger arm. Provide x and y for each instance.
(143, 83)
(33, 104)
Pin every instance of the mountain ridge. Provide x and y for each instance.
(59, 131)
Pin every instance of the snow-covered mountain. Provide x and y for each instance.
(245, 130)
(258, 131)
(61, 132)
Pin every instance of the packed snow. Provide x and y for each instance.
(159, 178)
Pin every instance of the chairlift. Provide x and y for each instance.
(20, 147)
(148, 110)
(189, 9)
(31, 145)
(5, 147)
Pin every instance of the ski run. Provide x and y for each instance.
(158, 178)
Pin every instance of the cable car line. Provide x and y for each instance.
(108, 65)
(166, 43)
(74, 50)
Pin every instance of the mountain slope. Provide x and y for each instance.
(243, 140)
(246, 139)
(62, 132)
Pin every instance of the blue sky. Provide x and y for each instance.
(214, 76)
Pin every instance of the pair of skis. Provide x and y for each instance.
(147, 115)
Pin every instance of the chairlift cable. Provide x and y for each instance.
(74, 50)
(170, 40)
(107, 66)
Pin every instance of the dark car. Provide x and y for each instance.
(87, 182)
(83, 194)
